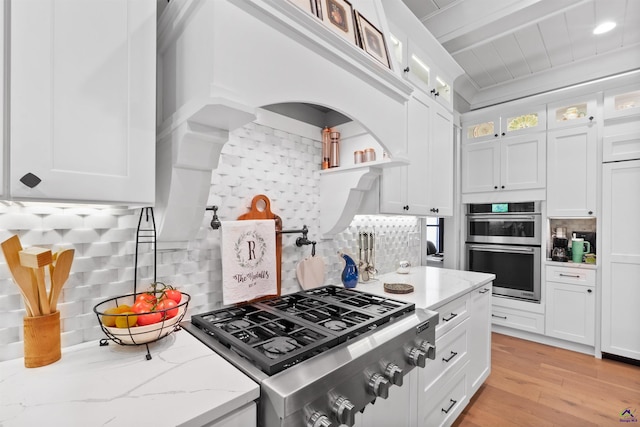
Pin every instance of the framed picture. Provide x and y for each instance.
(338, 15)
(372, 40)
(308, 6)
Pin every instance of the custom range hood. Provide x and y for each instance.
(221, 60)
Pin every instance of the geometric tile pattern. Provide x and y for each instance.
(256, 160)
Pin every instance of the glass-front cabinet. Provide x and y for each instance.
(509, 123)
(419, 69)
(621, 139)
(574, 112)
(622, 102)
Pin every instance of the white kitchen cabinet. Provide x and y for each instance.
(504, 164)
(446, 403)
(419, 69)
(571, 112)
(425, 186)
(440, 161)
(620, 255)
(83, 100)
(3, 100)
(571, 171)
(621, 139)
(479, 337)
(497, 123)
(571, 304)
(622, 102)
(516, 318)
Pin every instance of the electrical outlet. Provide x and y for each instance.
(414, 240)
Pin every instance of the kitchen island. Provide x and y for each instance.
(187, 384)
(438, 393)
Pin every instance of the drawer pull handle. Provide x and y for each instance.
(451, 317)
(453, 354)
(453, 403)
(499, 317)
(575, 276)
(484, 291)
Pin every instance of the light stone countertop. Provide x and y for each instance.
(433, 287)
(184, 384)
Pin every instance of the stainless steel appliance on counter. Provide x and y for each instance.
(320, 355)
(504, 239)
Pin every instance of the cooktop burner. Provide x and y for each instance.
(283, 331)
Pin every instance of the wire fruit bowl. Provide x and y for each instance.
(138, 335)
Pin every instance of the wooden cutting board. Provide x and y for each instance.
(261, 209)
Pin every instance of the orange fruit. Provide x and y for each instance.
(110, 321)
(129, 320)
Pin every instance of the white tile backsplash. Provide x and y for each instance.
(256, 160)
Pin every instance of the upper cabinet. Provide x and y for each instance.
(499, 124)
(507, 164)
(571, 172)
(621, 139)
(503, 154)
(419, 57)
(3, 100)
(420, 70)
(622, 102)
(83, 100)
(574, 112)
(425, 186)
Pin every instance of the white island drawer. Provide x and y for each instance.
(450, 400)
(451, 314)
(452, 351)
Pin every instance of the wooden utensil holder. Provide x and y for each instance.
(41, 340)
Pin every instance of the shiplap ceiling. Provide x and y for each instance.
(515, 48)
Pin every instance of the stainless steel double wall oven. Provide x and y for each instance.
(504, 239)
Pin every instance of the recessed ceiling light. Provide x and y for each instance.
(604, 27)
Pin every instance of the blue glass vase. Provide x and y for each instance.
(350, 272)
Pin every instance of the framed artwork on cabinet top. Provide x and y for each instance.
(308, 6)
(372, 40)
(338, 16)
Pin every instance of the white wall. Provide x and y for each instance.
(256, 160)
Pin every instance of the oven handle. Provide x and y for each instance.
(502, 249)
(501, 218)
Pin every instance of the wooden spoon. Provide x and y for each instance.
(21, 275)
(59, 275)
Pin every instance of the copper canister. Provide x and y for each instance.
(358, 156)
(334, 156)
(369, 155)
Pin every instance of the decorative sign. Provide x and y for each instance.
(248, 260)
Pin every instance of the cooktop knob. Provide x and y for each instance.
(393, 373)
(417, 357)
(319, 419)
(344, 411)
(429, 349)
(379, 386)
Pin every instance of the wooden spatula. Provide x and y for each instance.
(21, 275)
(37, 258)
(59, 275)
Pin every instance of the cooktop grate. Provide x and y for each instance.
(286, 330)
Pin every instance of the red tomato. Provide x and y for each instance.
(168, 305)
(174, 295)
(146, 297)
(146, 315)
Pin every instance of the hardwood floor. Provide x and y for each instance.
(533, 384)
